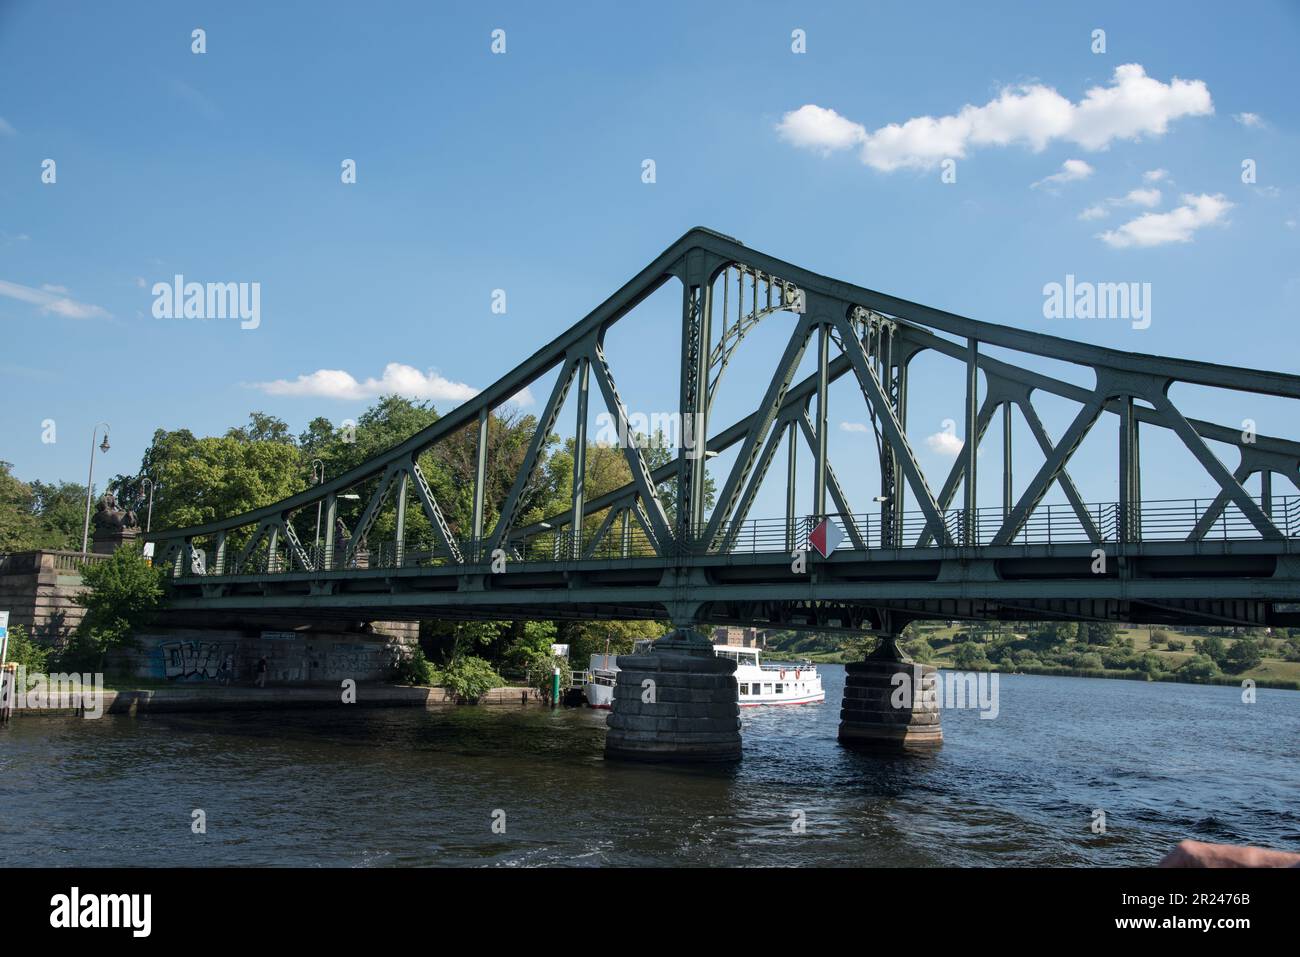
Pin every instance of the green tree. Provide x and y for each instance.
(448, 641)
(1098, 632)
(202, 480)
(528, 640)
(61, 508)
(262, 428)
(1244, 655)
(39, 515)
(320, 432)
(919, 649)
(17, 525)
(122, 594)
(587, 638)
(971, 657)
(1213, 648)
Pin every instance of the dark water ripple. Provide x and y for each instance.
(405, 788)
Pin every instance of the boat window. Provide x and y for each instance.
(767, 689)
(744, 689)
(780, 689)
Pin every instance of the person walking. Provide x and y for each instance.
(262, 668)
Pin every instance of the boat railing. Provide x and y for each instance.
(788, 666)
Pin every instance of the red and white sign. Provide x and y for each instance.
(826, 537)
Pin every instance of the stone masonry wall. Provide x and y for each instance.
(38, 587)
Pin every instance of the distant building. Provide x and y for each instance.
(740, 637)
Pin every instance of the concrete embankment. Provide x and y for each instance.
(170, 700)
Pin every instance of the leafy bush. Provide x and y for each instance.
(122, 594)
(1159, 637)
(1117, 657)
(30, 656)
(1091, 660)
(971, 657)
(470, 678)
(1150, 663)
(541, 674)
(919, 649)
(1175, 644)
(414, 669)
(1200, 668)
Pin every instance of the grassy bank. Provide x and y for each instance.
(945, 642)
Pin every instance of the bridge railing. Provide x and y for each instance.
(1056, 523)
(1168, 520)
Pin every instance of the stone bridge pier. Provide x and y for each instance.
(890, 702)
(678, 702)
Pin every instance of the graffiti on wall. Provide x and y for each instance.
(198, 660)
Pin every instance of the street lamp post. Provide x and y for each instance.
(148, 522)
(317, 476)
(90, 481)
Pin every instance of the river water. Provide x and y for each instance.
(381, 787)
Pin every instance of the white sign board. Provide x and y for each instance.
(560, 651)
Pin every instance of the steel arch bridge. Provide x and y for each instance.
(652, 549)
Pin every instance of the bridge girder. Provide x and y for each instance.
(877, 337)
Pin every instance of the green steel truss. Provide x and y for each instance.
(1228, 559)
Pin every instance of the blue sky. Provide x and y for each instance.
(523, 172)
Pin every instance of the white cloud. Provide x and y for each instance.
(52, 299)
(1140, 197)
(813, 127)
(6, 129)
(1132, 106)
(1155, 175)
(1149, 198)
(1176, 226)
(1249, 119)
(854, 427)
(945, 443)
(396, 379)
(1071, 170)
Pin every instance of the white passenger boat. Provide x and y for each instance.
(601, 675)
(758, 683)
